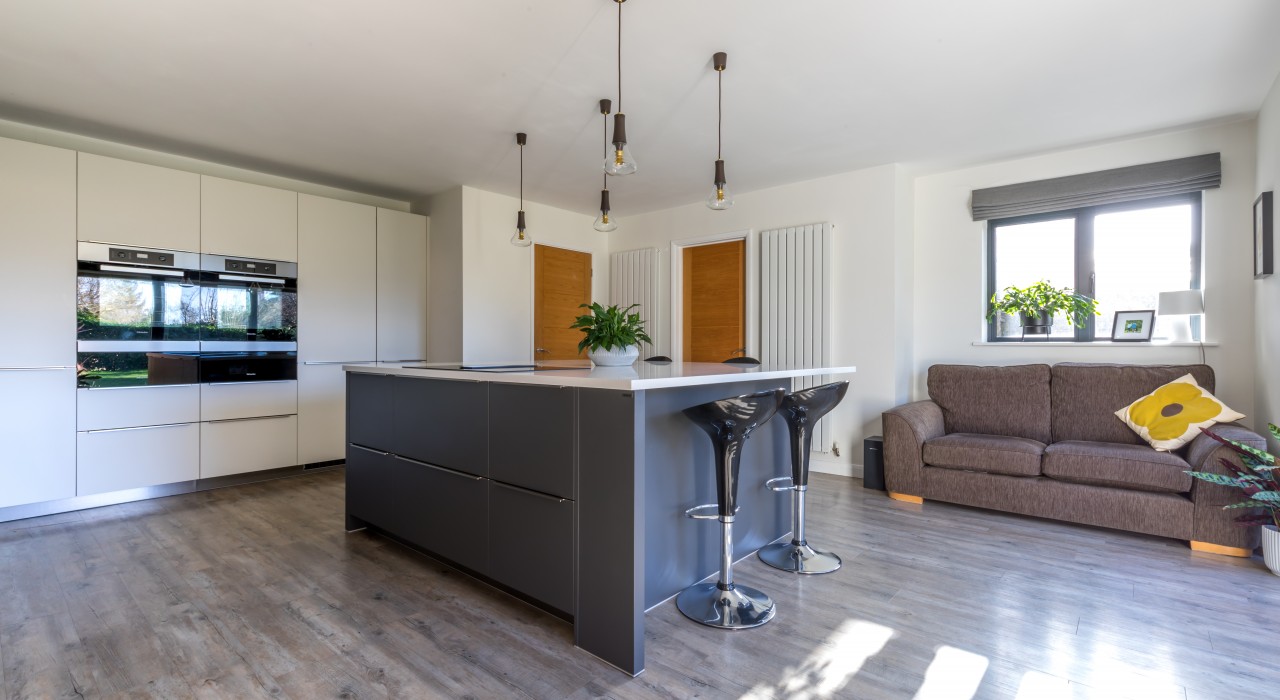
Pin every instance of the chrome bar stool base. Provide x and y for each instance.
(738, 608)
(799, 558)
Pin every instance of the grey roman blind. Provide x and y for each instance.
(1103, 187)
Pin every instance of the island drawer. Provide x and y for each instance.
(531, 544)
(370, 406)
(442, 422)
(532, 429)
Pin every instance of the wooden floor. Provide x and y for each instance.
(256, 591)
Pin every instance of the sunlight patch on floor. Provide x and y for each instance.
(1037, 685)
(954, 674)
(831, 665)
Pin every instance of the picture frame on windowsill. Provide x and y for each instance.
(1263, 222)
(1133, 326)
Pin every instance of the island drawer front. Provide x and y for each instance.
(531, 544)
(533, 438)
(442, 422)
(370, 406)
(442, 511)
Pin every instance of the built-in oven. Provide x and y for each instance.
(248, 305)
(260, 366)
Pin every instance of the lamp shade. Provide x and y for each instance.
(1181, 302)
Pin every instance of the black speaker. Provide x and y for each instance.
(873, 463)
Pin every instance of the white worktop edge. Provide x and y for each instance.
(600, 377)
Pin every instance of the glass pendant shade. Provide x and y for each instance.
(618, 159)
(605, 222)
(721, 198)
(521, 237)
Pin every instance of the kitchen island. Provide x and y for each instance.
(563, 485)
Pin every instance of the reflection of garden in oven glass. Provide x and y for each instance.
(126, 309)
(101, 370)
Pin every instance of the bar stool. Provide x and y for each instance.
(802, 410)
(729, 422)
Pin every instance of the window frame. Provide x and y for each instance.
(1085, 268)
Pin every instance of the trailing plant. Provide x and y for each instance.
(606, 329)
(1042, 297)
(1257, 479)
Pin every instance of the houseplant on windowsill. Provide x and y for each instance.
(1037, 304)
(1261, 486)
(611, 336)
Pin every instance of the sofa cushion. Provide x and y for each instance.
(1086, 396)
(1011, 401)
(1174, 414)
(1136, 467)
(993, 454)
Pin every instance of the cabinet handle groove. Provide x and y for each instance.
(447, 470)
(140, 427)
(368, 449)
(240, 420)
(531, 492)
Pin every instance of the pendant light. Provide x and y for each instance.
(520, 238)
(720, 198)
(604, 223)
(619, 161)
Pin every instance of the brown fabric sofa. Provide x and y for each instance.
(1045, 441)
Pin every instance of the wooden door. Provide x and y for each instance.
(715, 301)
(561, 281)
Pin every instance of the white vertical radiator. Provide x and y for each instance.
(795, 304)
(634, 277)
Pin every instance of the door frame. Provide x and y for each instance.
(751, 280)
(533, 288)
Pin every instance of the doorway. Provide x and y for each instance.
(561, 282)
(714, 303)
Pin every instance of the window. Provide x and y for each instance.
(1123, 255)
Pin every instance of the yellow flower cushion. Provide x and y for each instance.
(1173, 415)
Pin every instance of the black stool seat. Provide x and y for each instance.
(728, 422)
(802, 410)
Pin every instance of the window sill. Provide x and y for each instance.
(1094, 344)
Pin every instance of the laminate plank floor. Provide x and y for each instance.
(256, 591)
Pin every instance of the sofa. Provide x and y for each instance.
(1045, 441)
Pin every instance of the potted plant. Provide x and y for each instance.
(1261, 486)
(1038, 304)
(611, 336)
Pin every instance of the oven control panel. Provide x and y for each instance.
(253, 267)
(140, 257)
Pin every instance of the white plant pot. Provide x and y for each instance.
(1271, 548)
(615, 357)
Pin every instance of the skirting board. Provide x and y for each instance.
(830, 466)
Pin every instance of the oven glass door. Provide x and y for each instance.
(122, 303)
(103, 370)
(242, 308)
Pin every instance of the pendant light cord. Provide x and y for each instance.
(604, 143)
(521, 177)
(719, 108)
(619, 55)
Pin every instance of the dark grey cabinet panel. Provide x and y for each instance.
(370, 408)
(453, 514)
(443, 422)
(378, 491)
(531, 544)
(532, 429)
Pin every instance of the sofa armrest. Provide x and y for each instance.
(1213, 524)
(906, 428)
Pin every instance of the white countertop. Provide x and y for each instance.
(639, 376)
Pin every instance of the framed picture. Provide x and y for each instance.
(1133, 325)
(1262, 223)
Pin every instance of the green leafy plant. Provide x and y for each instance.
(1257, 479)
(1042, 297)
(606, 329)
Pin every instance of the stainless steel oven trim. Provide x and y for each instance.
(137, 346)
(265, 381)
(143, 270)
(210, 262)
(273, 281)
(129, 388)
(99, 252)
(247, 345)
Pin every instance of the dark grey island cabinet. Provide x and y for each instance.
(566, 488)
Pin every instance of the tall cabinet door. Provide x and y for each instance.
(402, 286)
(247, 220)
(337, 281)
(322, 414)
(37, 435)
(138, 204)
(38, 267)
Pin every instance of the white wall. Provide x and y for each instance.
(1267, 291)
(871, 325)
(949, 292)
(482, 303)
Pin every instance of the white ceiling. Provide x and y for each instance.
(409, 97)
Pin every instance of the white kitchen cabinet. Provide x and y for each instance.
(402, 286)
(245, 220)
(322, 412)
(131, 458)
(137, 204)
(248, 445)
(337, 280)
(38, 264)
(130, 407)
(37, 435)
(234, 400)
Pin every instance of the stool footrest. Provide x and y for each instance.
(692, 512)
(772, 484)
